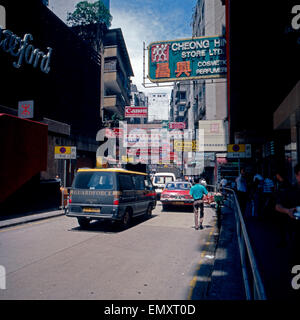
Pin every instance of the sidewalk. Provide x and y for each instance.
(14, 220)
(273, 260)
(226, 279)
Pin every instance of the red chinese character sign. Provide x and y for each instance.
(187, 59)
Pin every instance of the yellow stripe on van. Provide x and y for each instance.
(111, 170)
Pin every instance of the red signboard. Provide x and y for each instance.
(136, 112)
(177, 125)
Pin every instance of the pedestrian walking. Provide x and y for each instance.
(223, 184)
(282, 185)
(257, 190)
(197, 192)
(241, 186)
(288, 203)
(268, 190)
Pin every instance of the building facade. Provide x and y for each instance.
(209, 98)
(60, 74)
(138, 99)
(203, 100)
(117, 73)
(265, 113)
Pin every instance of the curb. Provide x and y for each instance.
(30, 218)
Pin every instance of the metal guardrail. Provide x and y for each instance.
(254, 287)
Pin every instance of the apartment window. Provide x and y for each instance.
(182, 95)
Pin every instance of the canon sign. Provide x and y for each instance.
(136, 112)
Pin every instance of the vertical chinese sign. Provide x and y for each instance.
(187, 59)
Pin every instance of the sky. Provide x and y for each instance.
(142, 21)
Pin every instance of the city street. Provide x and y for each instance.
(153, 259)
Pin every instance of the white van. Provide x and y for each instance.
(160, 180)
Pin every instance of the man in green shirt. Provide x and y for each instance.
(197, 192)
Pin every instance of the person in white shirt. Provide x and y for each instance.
(241, 185)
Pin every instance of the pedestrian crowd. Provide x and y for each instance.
(272, 199)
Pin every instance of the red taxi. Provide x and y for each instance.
(176, 193)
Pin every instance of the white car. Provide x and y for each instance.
(160, 180)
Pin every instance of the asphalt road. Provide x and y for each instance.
(155, 259)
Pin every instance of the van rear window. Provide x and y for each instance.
(94, 180)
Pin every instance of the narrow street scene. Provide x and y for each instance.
(150, 151)
(153, 259)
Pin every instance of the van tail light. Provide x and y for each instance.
(116, 201)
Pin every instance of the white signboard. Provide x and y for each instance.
(215, 136)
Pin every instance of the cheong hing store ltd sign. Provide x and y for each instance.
(187, 59)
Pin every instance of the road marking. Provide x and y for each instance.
(196, 278)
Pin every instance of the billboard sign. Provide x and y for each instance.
(215, 136)
(177, 125)
(136, 112)
(187, 146)
(187, 59)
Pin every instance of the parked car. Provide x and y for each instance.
(117, 195)
(160, 180)
(176, 193)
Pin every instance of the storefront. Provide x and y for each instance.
(287, 117)
(50, 77)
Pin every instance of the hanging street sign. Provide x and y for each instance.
(64, 152)
(187, 59)
(239, 151)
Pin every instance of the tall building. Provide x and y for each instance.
(138, 99)
(197, 100)
(117, 73)
(209, 97)
(265, 114)
(158, 106)
(180, 104)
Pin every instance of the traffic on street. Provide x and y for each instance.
(154, 259)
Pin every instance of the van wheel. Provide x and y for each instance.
(149, 212)
(83, 222)
(126, 220)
